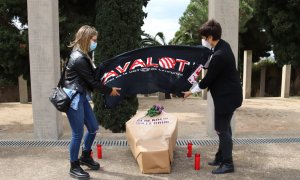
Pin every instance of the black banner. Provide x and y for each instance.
(167, 69)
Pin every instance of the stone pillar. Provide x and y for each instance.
(23, 92)
(285, 81)
(44, 66)
(210, 124)
(247, 71)
(262, 85)
(226, 12)
(161, 96)
(204, 91)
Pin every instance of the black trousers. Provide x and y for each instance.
(223, 128)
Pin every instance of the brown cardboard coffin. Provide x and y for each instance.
(152, 141)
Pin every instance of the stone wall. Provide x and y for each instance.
(11, 93)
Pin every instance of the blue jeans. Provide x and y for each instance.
(77, 119)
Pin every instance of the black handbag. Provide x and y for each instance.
(59, 97)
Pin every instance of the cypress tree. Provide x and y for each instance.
(119, 24)
(14, 59)
(280, 21)
(72, 15)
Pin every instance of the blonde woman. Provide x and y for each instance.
(79, 81)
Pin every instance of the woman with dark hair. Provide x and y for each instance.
(223, 81)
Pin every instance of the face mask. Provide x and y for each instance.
(206, 44)
(93, 46)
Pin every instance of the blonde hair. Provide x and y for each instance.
(83, 37)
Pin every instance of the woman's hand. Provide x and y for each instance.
(186, 94)
(115, 92)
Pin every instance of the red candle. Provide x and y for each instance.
(99, 151)
(197, 161)
(190, 149)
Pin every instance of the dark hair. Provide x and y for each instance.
(211, 27)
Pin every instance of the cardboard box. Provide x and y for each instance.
(152, 141)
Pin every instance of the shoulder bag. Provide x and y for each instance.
(59, 97)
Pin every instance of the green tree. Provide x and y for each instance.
(119, 24)
(251, 36)
(72, 15)
(193, 17)
(149, 40)
(14, 50)
(280, 21)
(246, 12)
(14, 59)
(255, 39)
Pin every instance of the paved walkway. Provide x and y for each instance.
(259, 117)
(266, 161)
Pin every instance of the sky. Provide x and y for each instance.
(163, 16)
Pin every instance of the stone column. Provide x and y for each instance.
(226, 12)
(210, 124)
(285, 81)
(247, 71)
(204, 91)
(44, 66)
(262, 85)
(23, 92)
(161, 96)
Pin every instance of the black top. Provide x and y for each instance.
(222, 79)
(80, 74)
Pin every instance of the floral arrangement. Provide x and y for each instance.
(155, 110)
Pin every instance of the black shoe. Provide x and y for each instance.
(87, 160)
(224, 168)
(218, 159)
(215, 163)
(77, 172)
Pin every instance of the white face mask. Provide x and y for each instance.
(206, 44)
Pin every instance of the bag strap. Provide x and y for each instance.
(73, 96)
(62, 78)
(91, 61)
(207, 63)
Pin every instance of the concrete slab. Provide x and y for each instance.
(266, 161)
(258, 117)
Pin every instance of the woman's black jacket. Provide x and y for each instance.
(80, 74)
